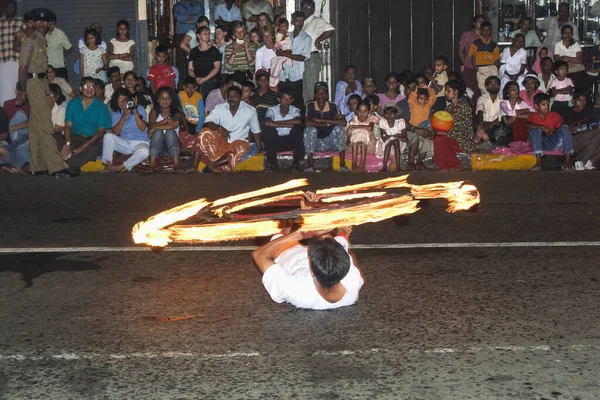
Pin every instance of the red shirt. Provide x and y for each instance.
(11, 108)
(161, 75)
(553, 120)
(444, 152)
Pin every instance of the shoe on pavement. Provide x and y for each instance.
(38, 173)
(579, 166)
(536, 168)
(65, 173)
(343, 168)
(588, 165)
(309, 169)
(567, 168)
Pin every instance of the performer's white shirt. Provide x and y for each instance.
(289, 280)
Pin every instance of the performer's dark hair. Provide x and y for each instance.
(329, 261)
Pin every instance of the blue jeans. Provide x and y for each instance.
(425, 124)
(561, 138)
(164, 138)
(18, 149)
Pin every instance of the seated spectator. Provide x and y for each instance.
(353, 101)
(226, 13)
(325, 128)
(144, 94)
(532, 84)
(586, 142)
(11, 107)
(266, 53)
(144, 99)
(129, 132)
(239, 55)
(547, 133)
(217, 96)
(530, 35)
(514, 62)
(192, 105)
(362, 132)
(100, 90)
(204, 63)
(421, 80)
(114, 82)
(369, 87)
(263, 97)
(420, 103)
(59, 108)
(163, 128)
(190, 40)
(222, 142)
(541, 53)
(515, 112)
(468, 96)
(546, 75)
(488, 109)
(14, 142)
(392, 93)
(65, 87)
(461, 112)
(283, 131)
(444, 152)
(161, 74)
(420, 145)
(346, 88)
(569, 51)
(247, 91)
(410, 85)
(373, 101)
(255, 37)
(392, 136)
(320, 276)
(86, 121)
(560, 88)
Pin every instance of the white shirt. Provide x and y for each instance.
(245, 120)
(263, 58)
(274, 113)
(543, 87)
(221, 12)
(251, 8)
(315, 27)
(550, 25)
(506, 110)
(491, 109)
(289, 280)
(58, 114)
(561, 50)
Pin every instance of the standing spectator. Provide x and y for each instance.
(265, 54)
(10, 24)
(485, 55)
(65, 88)
(205, 62)
(222, 142)
(164, 122)
(325, 128)
(319, 31)
(86, 121)
(121, 50)
(283, 131)
(23, 33)
(531, 37)
(553, 26)
(263, 20)
(438, 82)
(58, 48)
(293, 76)
(129, 133)
(252, 9)
(346, 88)
(464, 45)
(263, 98)
(217, 96)
(92, 58)
(33, 66)
(161, 74)
(81, 46)
(190, 40)
(560, 88)
(239, 55)
(226, 13)
(185, 14)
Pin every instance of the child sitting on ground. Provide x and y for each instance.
(420, 103)
(247, 91)
(560, 88)
(392, 136)
(192, 105)
(346, 88)
(369, 87)
(361, 134)
(374, 102)
(440, 78)
(352, 105)
(444, 152)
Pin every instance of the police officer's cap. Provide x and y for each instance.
(42, 14)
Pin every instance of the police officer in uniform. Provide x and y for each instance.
(33, 67)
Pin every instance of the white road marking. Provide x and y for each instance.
(382, 246)
(319, 353)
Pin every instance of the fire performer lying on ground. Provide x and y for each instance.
(319, 276)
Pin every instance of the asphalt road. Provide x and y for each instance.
(446, 322)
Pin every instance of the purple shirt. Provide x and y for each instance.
(466, 39)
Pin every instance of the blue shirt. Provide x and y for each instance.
(87, 122)
(130, 129)
(341, 99)
(301, 45)
(275, 114)
(221, 12)
(245, 120)
(182, 11)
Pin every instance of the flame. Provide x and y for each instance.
(160, 230)
(347, 197)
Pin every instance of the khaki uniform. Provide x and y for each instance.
(42, 146)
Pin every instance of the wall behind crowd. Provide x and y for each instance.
(378, 36)
(73, 17)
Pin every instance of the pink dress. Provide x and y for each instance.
(383, 100)
(529, 100)
(363, 135)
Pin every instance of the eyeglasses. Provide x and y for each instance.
(88, 86)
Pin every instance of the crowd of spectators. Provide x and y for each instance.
(253, 87)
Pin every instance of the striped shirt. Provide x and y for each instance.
(8, 30)
(486, 53)
(240, 63)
